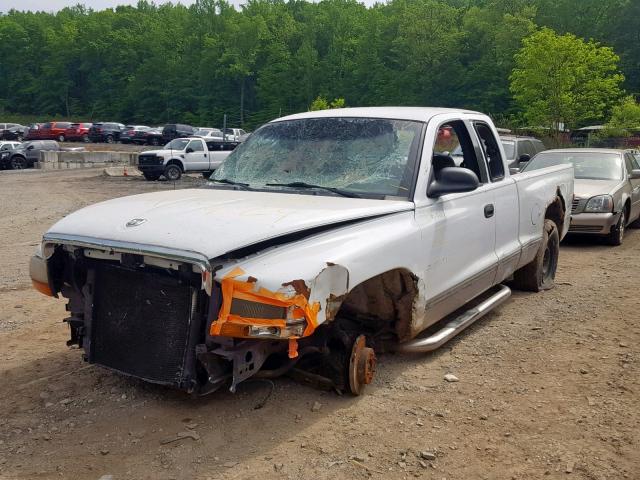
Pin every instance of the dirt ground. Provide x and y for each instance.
(548, 384)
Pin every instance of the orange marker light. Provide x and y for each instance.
(42, 287)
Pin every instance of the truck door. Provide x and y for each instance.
(196, 157)
(458, 229)
(505, 201)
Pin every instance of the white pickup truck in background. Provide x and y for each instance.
(182, 155)
(330, 235)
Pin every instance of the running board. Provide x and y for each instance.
(455, 326)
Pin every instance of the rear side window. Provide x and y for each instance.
(491, 151)
(63, 125)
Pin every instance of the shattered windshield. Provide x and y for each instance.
(358, 155)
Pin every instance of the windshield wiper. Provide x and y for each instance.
(229, 182)
(339, 191)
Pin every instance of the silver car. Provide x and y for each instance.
(607, 189)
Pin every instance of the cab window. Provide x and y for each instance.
(454, 148)
(490, 150)
(196, 146)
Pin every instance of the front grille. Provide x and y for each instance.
(140, 323)
(144, 160)
(585, 228)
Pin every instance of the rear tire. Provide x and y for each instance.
(616, 236)
(61, 138)
(86, 139)
(173, 172)
(154, 141)
(540, 273)
(110, 139)
(152, 177)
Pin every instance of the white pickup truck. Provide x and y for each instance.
(181, 155)
(326, 237)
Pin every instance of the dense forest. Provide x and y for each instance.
(159, 63)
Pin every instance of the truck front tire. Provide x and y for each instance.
(541, 272)
(173, 172)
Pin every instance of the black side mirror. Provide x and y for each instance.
(452, 180)
(524, 158)
(189, 150)
(514, 170)
(635, 174)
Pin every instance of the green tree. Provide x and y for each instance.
(625, 117)
(321, 103)
(560, 79)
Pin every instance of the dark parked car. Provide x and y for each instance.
(130, 132)
(77, 132)
(153, 136)
(519, 150)
(12, 131)
(108, 132)
(26, 154)
(177, 130)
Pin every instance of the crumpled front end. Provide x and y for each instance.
(174, 318)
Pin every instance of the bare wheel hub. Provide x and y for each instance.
(362, 365)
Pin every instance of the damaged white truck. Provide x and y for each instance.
(324, 238)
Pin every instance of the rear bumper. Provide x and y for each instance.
(593, 223)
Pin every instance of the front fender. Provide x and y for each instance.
(324, 268)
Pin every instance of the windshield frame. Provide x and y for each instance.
(413, 162)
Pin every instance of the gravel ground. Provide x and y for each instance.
(548, 384)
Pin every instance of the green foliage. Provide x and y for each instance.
(560, 79)
(321, 103)
(154, 63)
(625, 118)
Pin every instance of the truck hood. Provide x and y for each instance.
(212, 222)
(585, 188)
(162, 152)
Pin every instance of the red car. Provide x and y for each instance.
(77, 132)
(50, 131)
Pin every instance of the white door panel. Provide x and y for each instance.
(198, 160)
(459, 241)
(507, 214)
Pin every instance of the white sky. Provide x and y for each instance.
(55, 5)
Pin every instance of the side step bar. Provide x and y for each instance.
(455, 326)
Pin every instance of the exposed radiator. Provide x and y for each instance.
(140, 323)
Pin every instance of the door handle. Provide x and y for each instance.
(489, 210)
